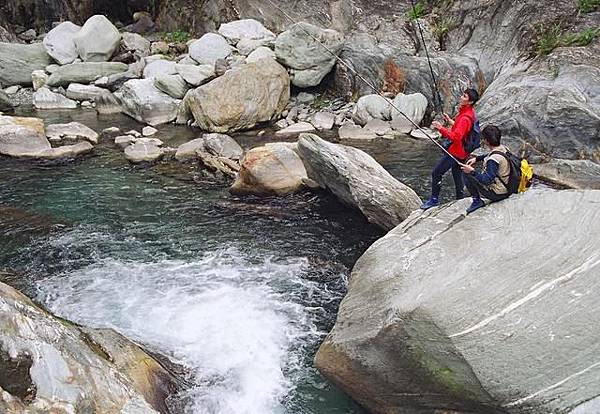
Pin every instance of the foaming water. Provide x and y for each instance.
(241, 327)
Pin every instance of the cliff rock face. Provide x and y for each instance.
(39, 14)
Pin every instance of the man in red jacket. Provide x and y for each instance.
(459, 129)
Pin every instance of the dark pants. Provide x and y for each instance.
(478, 190)
(443, 165)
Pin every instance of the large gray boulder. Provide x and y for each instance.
(209, 48)
(273, 169)
(22, 137)
(116, 81)
(358, 181)
(372, 106)
(97, 40)
(159, 67)
(579, 174)
(59, 367)
(59, 43)
(196, 75)
(241, 98)
(72, 131)
(17, 61)
(144, 150)
(143, 101)
(414, 106)
(308, 60)
(65, 151)
(486, 313)
(136, 43)
(247, 29)
(85, 72)
(44, 98)
(218, 145)
(172, 85)
(260, 53)
(80, 92)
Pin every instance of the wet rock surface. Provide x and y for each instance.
(56, 366)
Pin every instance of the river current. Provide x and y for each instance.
(240, 291)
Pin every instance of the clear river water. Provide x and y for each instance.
(238, 290)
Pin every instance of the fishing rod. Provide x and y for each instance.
(436, 90)
(369, 84)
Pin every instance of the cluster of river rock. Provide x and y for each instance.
(421, 328)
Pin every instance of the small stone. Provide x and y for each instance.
(11, 90)
(296, 129)
(111, 131)
(159, 48)
(323, 120)
(134, 133)
(39, 78)
(148, 131)
(28, 36)
(282, 123)
(86, 104)
(305, 97)
(124, 141)
(423, 132)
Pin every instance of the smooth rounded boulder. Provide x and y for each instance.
(248, 29)
(273, 169)
(357, 180)
(493, 312)
(141, 100)
(307, 59)
(219, 145)
(241, 98)
(372, 106)
(209, 48)
(98, 40)
(60, 44)
(413, 106)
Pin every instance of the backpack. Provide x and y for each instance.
(473, 139)
(520, 175)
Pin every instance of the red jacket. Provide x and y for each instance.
(462, 126)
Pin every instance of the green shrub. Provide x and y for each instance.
(441, 29)
(177, 36)
(582, 39)
(553, 38)
(588, 6)
(549, 40)
(417, 11)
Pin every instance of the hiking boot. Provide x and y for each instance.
(432, 202)
(477, 203)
